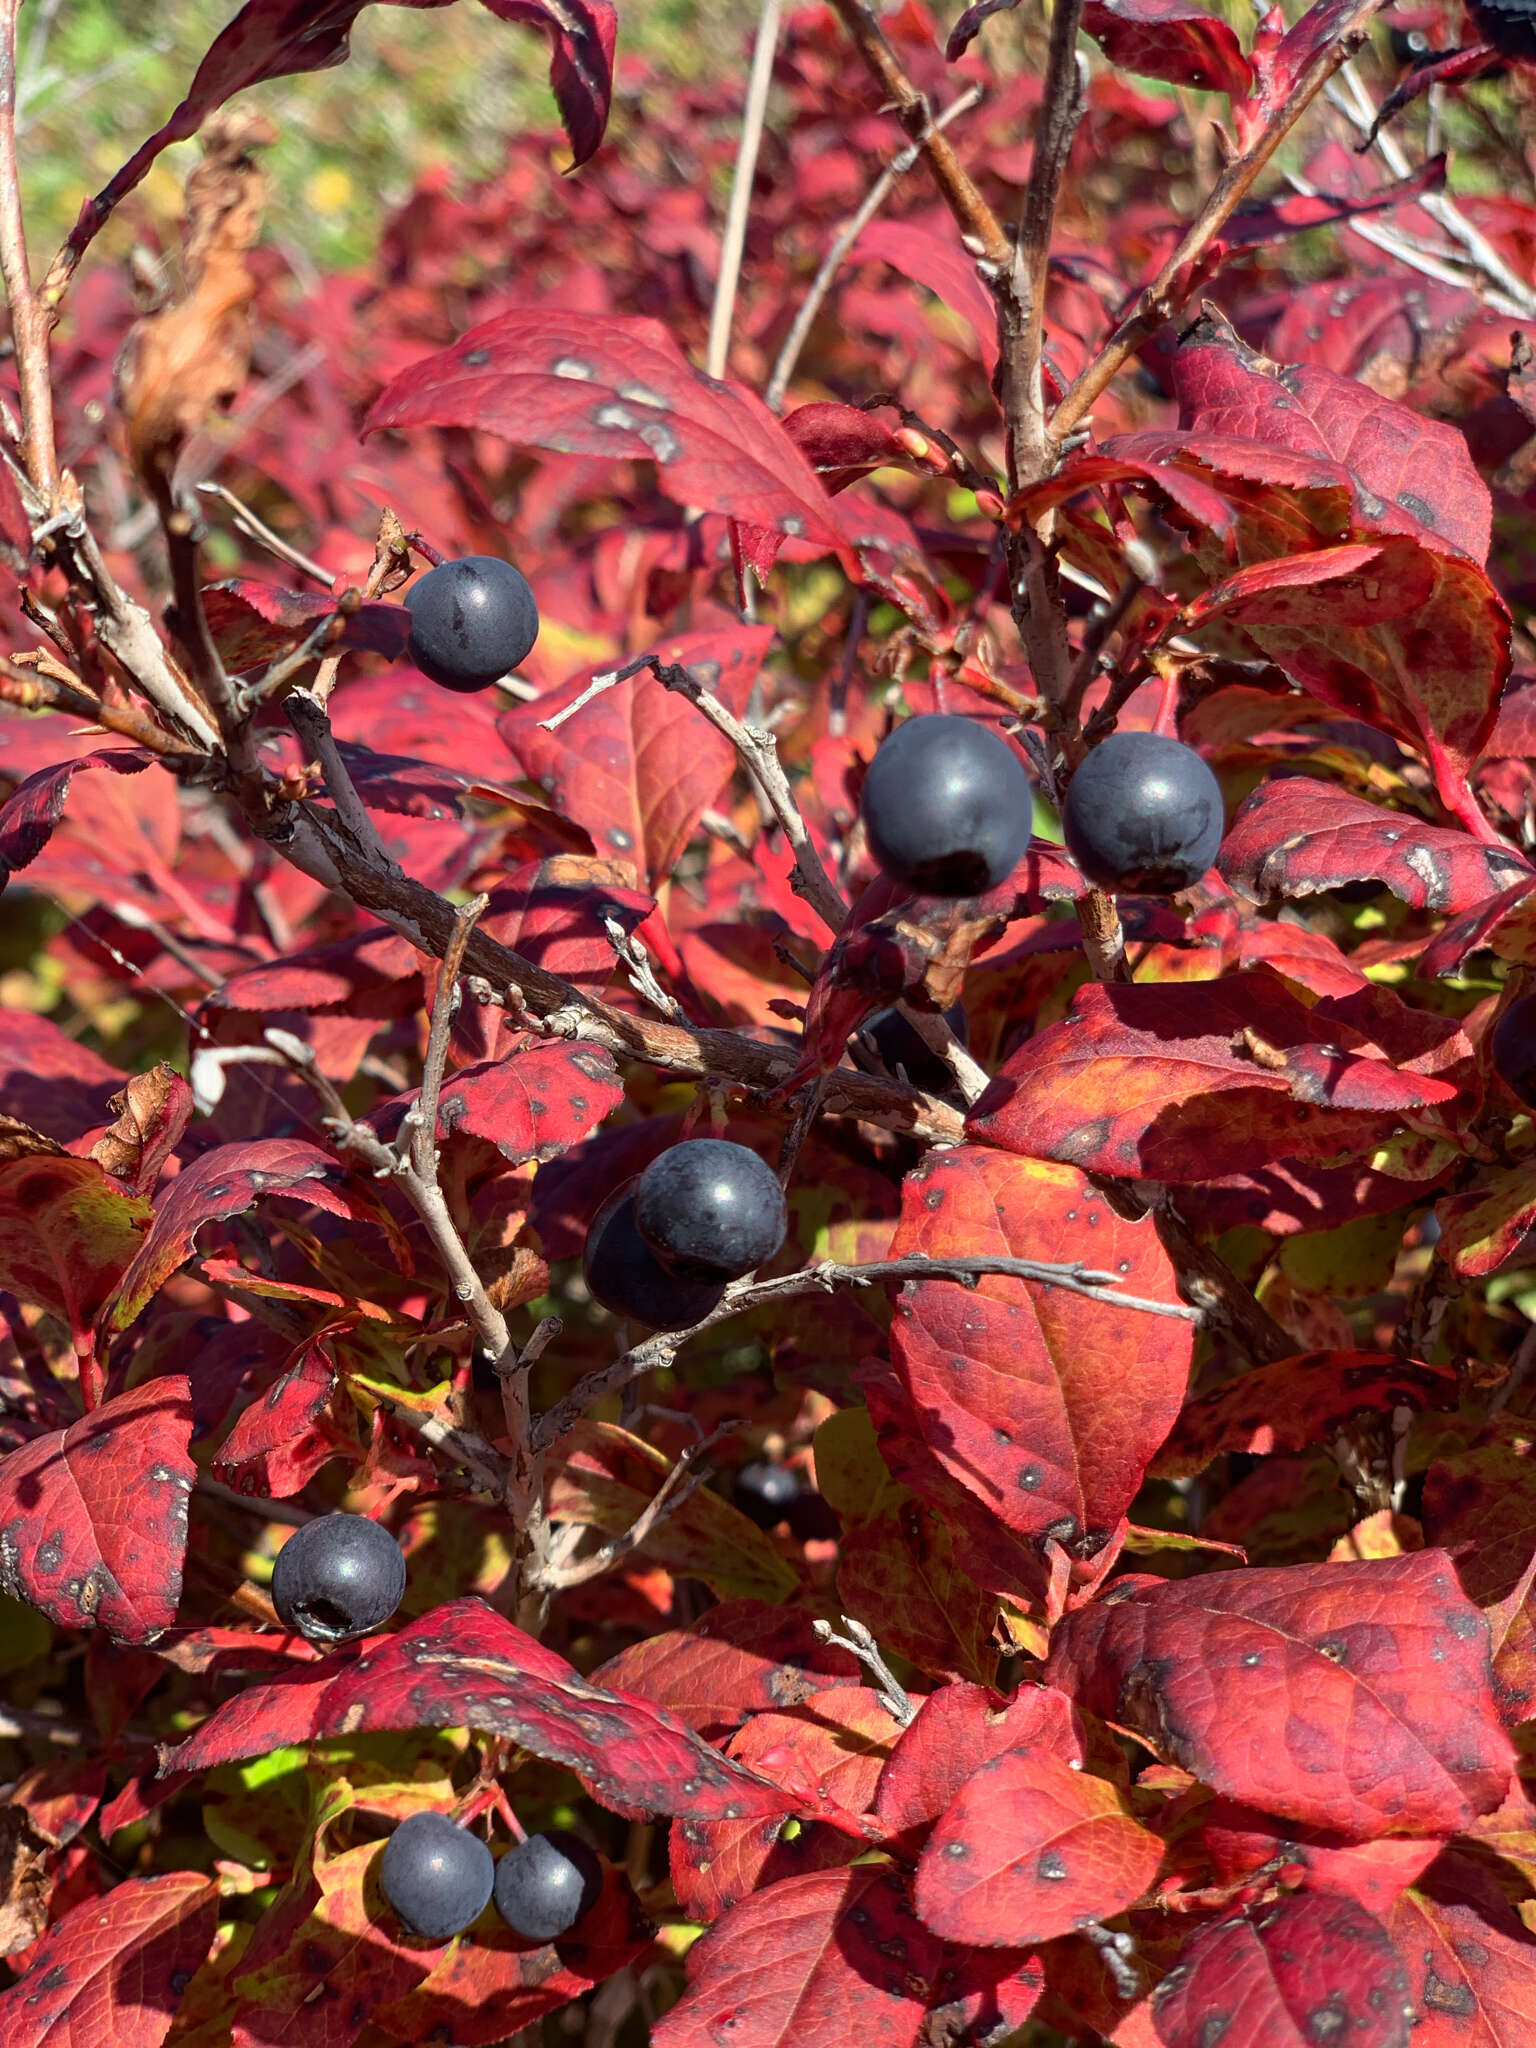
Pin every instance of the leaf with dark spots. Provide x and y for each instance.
(111, 1969)
(836, 1744)
(1242, 1842)
(1010, 1381)
(1351, 1696)
(1471, 1966)
(1183, 1083)
(30, 814)
(1031, 1848)
(1505, 924)
(67, 1236)
(223, 1183)
(1294, 1402)
(1297, 836)
(741, 1658)
(283, 1438)
(535, 1104)
(836, 1957)
(1487, 1222)
(957, 1730)
(1313, 1967)
(466, 1666)
(93, 1518)
(616, 385)
(1172, 40)
(638, 766)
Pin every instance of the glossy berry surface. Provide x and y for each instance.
(471, 621)
(1510, 25)
(765, 1493)
(902, 1051)
(546, 1884)
(1144, 813)
(436, 1876)
(1514, 1049)
(338, 1576)
(711, 1209)
(947, 806)
(625, 1275)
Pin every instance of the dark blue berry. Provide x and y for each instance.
(1143, 813)
(899, 1046)
(1513, 1046)
(710, 1209)
(338, 1576)
(625, 1275)
(471, 621)
(765, 1493)
(546, 1884)
(947, 806)
(436, 1876)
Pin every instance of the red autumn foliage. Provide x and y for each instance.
(1145, 1644)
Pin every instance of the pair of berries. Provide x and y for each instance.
(439, 1878)
(662, 1249)
(947, 809)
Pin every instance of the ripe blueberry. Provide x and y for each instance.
(1144, 813)
(471, 621)
(625, 1275)
(899, 1046)
(765, 1493)
(546, 1884)
(710, 1209)
(1513, 1046)
(338, 1576)
(947, 806)
(436, 1876)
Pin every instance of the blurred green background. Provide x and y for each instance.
(442, 87)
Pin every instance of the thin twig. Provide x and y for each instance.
(971, 1077)
(683, 1480)
(1031, 452)
(1158, 301)
(847, 235)
(313, 727)
(258, 530)
(746, 1295)
(860, 1643)
(36, 689)
(758, 82)
(391, 556)
(422, 1120)
(29, 324)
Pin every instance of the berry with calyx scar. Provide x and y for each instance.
(711, 1209)
(947, 806)
(472, 620)
(1143, 813)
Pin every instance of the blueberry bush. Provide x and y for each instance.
(767, 1168)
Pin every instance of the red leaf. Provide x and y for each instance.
(112, 1970)
(279, 38)
(67, 1235)
(843, 443)
(50, 1080)
(639, 765)
(1011, 1382)
(254, 622)
(1297, 836)
(223, 1183)
(276, 1445)
(552, 912)
(1506, 923)
(1183, 1083)
(1364, 585)
(376, 973)
(1471, 1973)
(1308, 1968)
(837, 1956)
(93, 1518)
(741, 1658)
(31, 813)
(957, 1730)
(466, 1666)
(835, 1747)
(1170, 39)
(1487, 1222)
(1241, 1842)
(1030, 1849)
(618, 386)
(1354, 1697)
(931, 257)
(1298, 1401)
